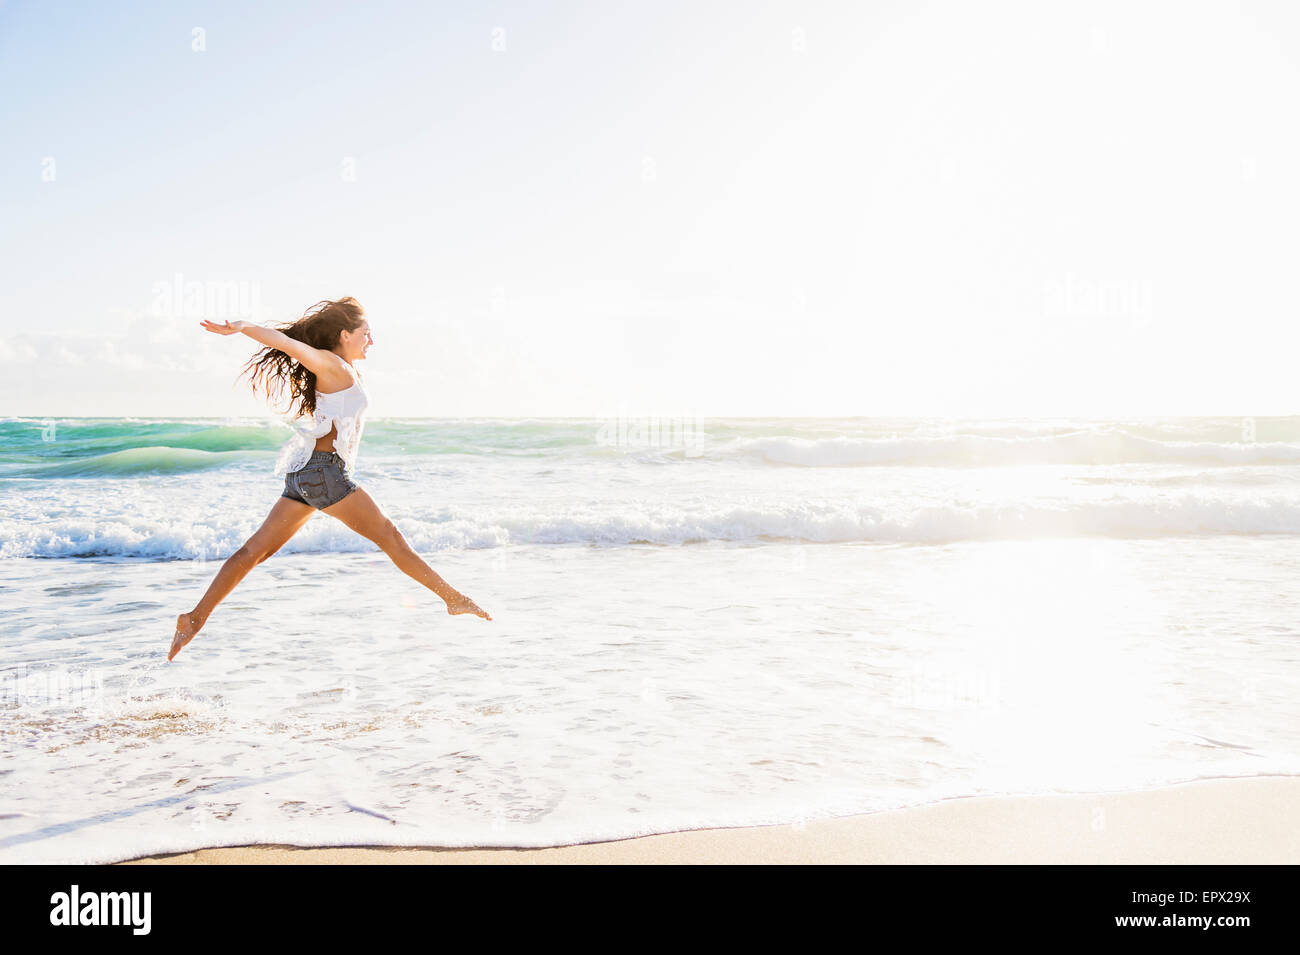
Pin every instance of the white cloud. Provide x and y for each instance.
(16, 353)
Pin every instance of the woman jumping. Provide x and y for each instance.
(318, 461)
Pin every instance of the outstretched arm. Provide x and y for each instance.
(319, 361)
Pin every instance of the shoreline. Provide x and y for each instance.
(1227, 820)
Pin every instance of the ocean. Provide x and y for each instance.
(698, 622)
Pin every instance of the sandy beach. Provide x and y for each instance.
(1219, 821)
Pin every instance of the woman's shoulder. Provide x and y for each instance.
(342, 376)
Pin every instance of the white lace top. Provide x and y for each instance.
(342, 409)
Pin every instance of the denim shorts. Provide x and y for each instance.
(321, 482)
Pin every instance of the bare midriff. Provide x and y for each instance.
(327, 443)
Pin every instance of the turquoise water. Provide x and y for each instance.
(124, 487)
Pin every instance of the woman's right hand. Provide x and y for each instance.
(227, 328)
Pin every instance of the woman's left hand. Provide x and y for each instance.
(228, 328)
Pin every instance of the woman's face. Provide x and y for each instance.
(356, 342)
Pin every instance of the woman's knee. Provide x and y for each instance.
(246, 555)
(391, 539)
(253, 552)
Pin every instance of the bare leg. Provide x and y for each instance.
(286, 518)
(360, 512)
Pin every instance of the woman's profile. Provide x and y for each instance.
(313, 358)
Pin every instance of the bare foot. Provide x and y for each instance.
(462, 604)
(185, 632)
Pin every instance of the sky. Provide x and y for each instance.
(714, 208)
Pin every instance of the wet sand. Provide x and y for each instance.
(1253, 820)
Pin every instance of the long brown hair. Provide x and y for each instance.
(320, 326)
